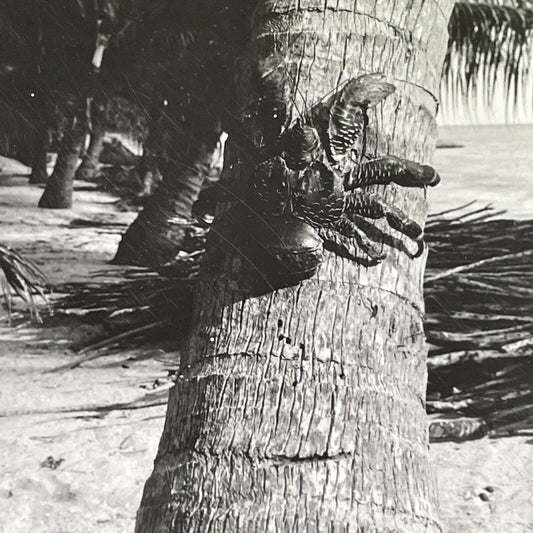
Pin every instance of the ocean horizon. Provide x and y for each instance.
(489, 163)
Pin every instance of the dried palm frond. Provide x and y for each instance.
(19, 276)
(479, 305)
(479, 321)
(144, 307)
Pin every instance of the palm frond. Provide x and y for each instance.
(121, 115)
(479, 324)
(489, 43)
(19, 276)
(479, 318)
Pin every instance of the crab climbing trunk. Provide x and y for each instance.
(59, 188)
(88, 169)
(303, 409)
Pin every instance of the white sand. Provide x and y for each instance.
(108, 449)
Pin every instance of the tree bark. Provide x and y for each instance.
(303, 409)
(59, 189)
(39, 173)
(88, 169)
(184, 157)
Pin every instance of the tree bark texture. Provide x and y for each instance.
(59, 189)
(39, 173)
(302, 410)
(184, 156)
(88, 169)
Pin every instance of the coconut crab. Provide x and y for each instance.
(311, 172)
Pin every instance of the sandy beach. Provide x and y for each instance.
(77, 445)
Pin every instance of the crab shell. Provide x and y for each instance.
(318, 195)
(279, 251)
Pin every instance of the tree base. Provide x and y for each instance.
(151, 241)
(55, 199)
(38, 177)
(163, 227)
(59, 189)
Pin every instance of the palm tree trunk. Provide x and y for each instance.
(59, 189)
(303, 409)
(87, 171)
(184, 159)
(39, 172)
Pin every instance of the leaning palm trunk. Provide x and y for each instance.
(59, 189)
(88, 169)
(185, 159)
(303, 409)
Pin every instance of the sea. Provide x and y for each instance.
(490, 164)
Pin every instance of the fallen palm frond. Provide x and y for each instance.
(479, 325)
(142, 308)
(19, 276)
(479, 305)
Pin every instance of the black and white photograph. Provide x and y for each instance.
(266, 266)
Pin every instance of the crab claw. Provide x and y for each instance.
(430, 175)
(389, 169)
(410, 174)
(420, 249)
(367, 90)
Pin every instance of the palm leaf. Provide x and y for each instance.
(488, 42)
(120, 115)
(19, 276)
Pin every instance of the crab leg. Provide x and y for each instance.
(391, 169)
(377, 235)
(371, 206)
(337, 243)
(348, 229)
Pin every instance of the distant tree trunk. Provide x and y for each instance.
(39, 173)
(59, 189)
(302, 410)
(88, 169)
(22, 149)
(184, 159)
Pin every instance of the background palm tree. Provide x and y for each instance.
(490, 48)
(58, 54)
(182, 77)
(173, 79)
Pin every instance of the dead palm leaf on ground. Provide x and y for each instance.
(20, 277)
(478, 301)
(479, 325)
